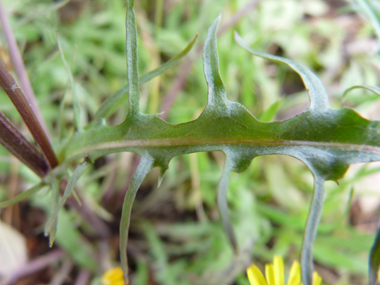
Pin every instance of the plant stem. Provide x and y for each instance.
(24, 108)
(20, 67)
(20, 147)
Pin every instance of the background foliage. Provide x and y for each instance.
(176, 235)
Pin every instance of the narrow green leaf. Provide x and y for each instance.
(132, 63)
(217, 96)
(374, 89)
(169, 64)
(223, 203)
(103, 112)
(23, 196)
(53, 205)
(317, 93)
(146, 164)
(374, 260)
(51, 224)
(311, 230)
(77, 111)
(269, 114)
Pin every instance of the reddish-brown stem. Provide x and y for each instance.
(19, 66)
(23, 107)
(20, 147)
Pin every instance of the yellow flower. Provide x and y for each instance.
(275, 274)
(114, 276)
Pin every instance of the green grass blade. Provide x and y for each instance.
(271, 112)
(23, 196)
(368, 8)
(77, 112)
(223, 203)
(146, 164)
(317, 93)
(374, 260)
(374, 89)
(169, 64)
(103, 112)
(51, 224)
(311, 230)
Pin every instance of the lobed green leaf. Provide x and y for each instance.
(326, 140)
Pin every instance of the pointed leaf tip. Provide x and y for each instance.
(217, 98)
(161, 176)
(317, 93)
(311, 230)
(373, 89)
(146, 164)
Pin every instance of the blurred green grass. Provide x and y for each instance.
(176, 236)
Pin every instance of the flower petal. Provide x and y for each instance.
(255, 276)
(114, 276)
(278, 265)
(269, 274)
(316, 278)
(295, 274)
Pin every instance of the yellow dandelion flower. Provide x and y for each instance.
(275, 274)
(114, 276)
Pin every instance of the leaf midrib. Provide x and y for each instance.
(162, 143)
